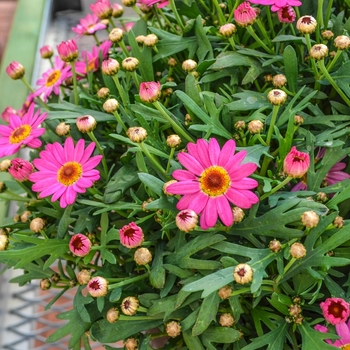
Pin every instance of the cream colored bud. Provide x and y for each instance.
(130, 64)
(294, 310)
(166, 185)
(4, 241)
(84, 276)
(227, 30)
(297, 250)
(243, 274)
(112, 315)
(150, 40)
(37, 224)
(338, 222)
(240, 125)
(342, 42)
(189, 65)
(226, 320)
(268, 78)
(306, 24)
(103, 93)
(140, 39)
(45, 284)
(275, 246)
(173, 141)
(5, 164)
(142, 256)
(225, 292)
(137, 134)
(173, 329)
(111, 105)
(86, 123)
(172, 62)
(129, 306)
(277, 97)
(327, 34)
(3, 187)
(299, 319)
(318, 52)
(310, 219)
(279, 80)
(298, 119)
(62, 129)
(255, 126)
(321, 197)
(116, 35)
(131, 344)
(238, 214)
(24, 217)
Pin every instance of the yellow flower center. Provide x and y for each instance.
(214, 181)
(69, 173)
(20, 133)
(91, 65)
(345, 347)
(52, 78)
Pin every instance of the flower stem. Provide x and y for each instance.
(75, 89)
(119, 120)
(121, 91)
(221, 17)
(333, 83)
(104, 163)
(128, 281)
(319, 18)
(251, 31)
(334, 60)
(41, 102)
(272, 124)
(172, 152)
(136, 80)
(123, 47)
(287, 267)
(176, 14)
(308, 44)
(328, 13)
(280, 185)
(111, 22)
(151, 158)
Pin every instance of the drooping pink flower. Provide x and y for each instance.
(296, 163)
(214, 179)
(20, 169)
(51, 80)
(102, 9)
(68, 50)
(90, 61)
(8, 111)
(150, 91)
(15, 70)
(89, 25)
(80, 245)
(21, 132)
(244, 14)
(277, 4)
(335, 310)
(131, 235)
(286, 14)
(97, 287)
(159, 3)
(65, 171)
(343, 330)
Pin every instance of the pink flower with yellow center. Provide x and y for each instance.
(65, 171)
(89, 25)
(277, 4)
(131, 235)
(214, 178)
(343, 330)
(25, 107)
(21, 132)
(68, 50)
(52, 79)
(80, 245)
(335, 310)
(90, 62)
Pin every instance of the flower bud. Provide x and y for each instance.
(112, 315)
(45, 284)
(3, 187)
(129, 306)
(62, 129)
(117, 10)
(338, 222)
(318, 52)
(136, 134)
(55, 278)
(84, 276)
(129, 3)
(103, 93)
(275, 246)
(37, 225)
(167, 92)
(150, 40)
(140, 39)
(142, 256)
(245, 15)
(130, 64)
(173, 141)
(268, 78)
(327, 34)
(296, 164)
(25, 216)
(306, 24)
(46, 51)
(189, 65)
(6, 114)
(5, 164)
(68, 50)
(20, 169)
(243, 274)
(98, 287)
(102, 9)
(165, 186)
(297, 250)
(111, 105)
(238, 214)
(299, 319)
(277, 97)
(131, 343)
(226, 320)
(172, 62)
(279, 80)
(4, 241)
(80, 245)
(116, 35)
(173, 329)
(150, 91)
(240, 125)
(322, 197)
(342, 42)
(188, 119)
(255, 126)
(227, 30)
(298, 119)
(310, 219)
(15, 70)
(86, 123)
(186, 220)
(294, 310)
(225, 292)
(110, 67)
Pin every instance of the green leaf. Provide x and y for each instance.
(65, 221)
(157, 275)
(248, 100)
(192, 342)
(312, 339)
(204, 48)
(291, 67)
(152, 182)
(219, 335)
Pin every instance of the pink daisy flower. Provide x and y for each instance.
(80, 245)
(90, 62)
(277, 4)
(343, 330)
(131, 235)
(296, 163)
(65, 171)
(102, 9)
(89, 25)
(21, 132)
(335, 310)
(52, 79)
(213, 179)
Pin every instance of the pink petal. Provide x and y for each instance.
(183, 187)
(190, 163)
(227, 152)
(243, 199)
(224, 210)
(344, 332)
(68, 149)
(209, 216)
(244, 184)
(87, 153)
(203, 153)
(214, 151)
(186, 201)
(183, 175)
(79, 151)
(92, 163)
(243, 171)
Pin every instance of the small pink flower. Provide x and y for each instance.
(21, 132)
(46, 51)
(296, 163)
(244, 14)
(150, 91)
(98, 287)
(80, 245)
(102, 9)
(343, 330)
(186, 220)
(286, 14)
(214, 179)
(20, 169)
(27, 103)
(335, 310)
(68, 50)
(6, 114)
(131, 235)
(89, 25)
(15, 70)
(277, 4)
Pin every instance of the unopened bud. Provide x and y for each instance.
(227, 30)
(112, 315)
(86, 123)
(84, 276)
(279, 80)
(238, 214)
(111, 105)
(306, 24)
(131, 344)
(243, 274)
(62, 129)
(298, 119)
(226, 320)
(45, 284)
(255, 126)
(37, 225)
(338, 222)
(310, 219)
(275, 246)
(137, 134)
(186, 220)
(277, 97)
(327, 34)
(24, 217)
(142, 256)
(129, 306)
(173, 141)
(130, 64)
(294, 310)
(116, 35)
(342, 42)
(150, 40)
(189, 65)
(103, 93)
(172, 62)
(297, 250)
(225, 292)
(5, 164)
(173, 329)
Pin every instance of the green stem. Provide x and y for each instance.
(119, 120)
(251, 31)
(151, 158)
(319, 18)
(269, 19)
(104, 163)
(96, 39)
(136, 80)
(123, 47)
(221, 17)
(176, 14)
(172, 152)
(75, 89)
(333, 83)
(263, 31)
(111, 22)
(121, 91)
(333, 61)
(314, 68)
(28, 191)
(128, 281)
(175, 126)
(328, 14)
(138, 11)
(280, 185)
(41, 102)
(272, 124)
(287, 267)
(13, 196)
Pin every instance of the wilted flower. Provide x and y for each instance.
(129, 306)
(80, 245)
(131, 235)
(296, 163)
(243, 274)
(335, 310)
